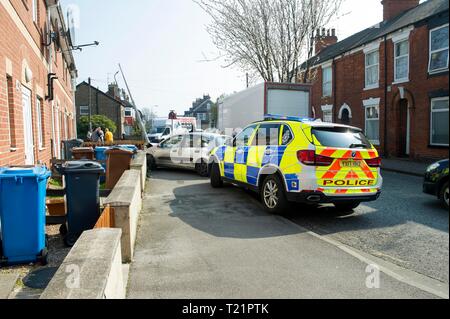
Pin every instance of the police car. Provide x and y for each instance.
(290, 159)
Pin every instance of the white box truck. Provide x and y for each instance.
(240, 109)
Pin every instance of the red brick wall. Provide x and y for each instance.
(349, 82)
(15, 47)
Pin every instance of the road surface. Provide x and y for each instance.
(198, 242)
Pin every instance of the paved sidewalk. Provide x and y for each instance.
(7, 282)
(405, 166)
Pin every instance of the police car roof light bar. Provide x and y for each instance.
(273, 117)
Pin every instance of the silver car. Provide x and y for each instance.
(189, 151)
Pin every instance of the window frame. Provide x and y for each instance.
(201, 116)
(374, 142)
(430, 52)
(81, 112)
(330, 82)
(34, 10)
(443, 98)
(405, 79)
(128, 110)
(265, 126)
(39, 126)
(250, 139)
(377, 65)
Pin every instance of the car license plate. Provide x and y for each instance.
(351, 163)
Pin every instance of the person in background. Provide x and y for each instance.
(108, 136)
(101, 135)
(95, 135)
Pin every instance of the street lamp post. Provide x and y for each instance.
(152, 115)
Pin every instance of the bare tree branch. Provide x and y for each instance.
(269, 38)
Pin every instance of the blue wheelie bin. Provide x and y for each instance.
(83, 198)
(22, 214)
(100, 155)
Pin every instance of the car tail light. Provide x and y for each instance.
(309, 157)
(374, 162)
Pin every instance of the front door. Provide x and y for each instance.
(403, 143)
(27, 127)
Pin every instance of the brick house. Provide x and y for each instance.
(109, 104)
(390, 79)
(201, 110)
(37, 72)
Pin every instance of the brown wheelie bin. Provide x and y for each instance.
(118, 161)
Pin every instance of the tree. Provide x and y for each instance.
(97, 121)
(267, 38)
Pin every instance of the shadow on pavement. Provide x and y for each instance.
(180, 174)
(229, 212)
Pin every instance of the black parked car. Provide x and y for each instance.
(436, 181)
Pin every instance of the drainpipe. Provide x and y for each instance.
(333, 68)
(385, 99)
(50, 69)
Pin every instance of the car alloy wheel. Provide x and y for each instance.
(270, 194)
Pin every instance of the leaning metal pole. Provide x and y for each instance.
(138, 114)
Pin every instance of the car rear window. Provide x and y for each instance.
(341, 137)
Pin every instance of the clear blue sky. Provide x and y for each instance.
(161, 45)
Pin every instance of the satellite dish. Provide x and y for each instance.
(71, 26)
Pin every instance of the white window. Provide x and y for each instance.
(372, 69)
(201, 116)
(372, 119)
(401, 61)
(327, 81)
(84, 110)
(438, 49)
(128, 112)
(439, 121)
(39, 123)
(34, 9)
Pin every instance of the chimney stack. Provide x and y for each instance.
(392, 8)
(324, 39)
(113, 91)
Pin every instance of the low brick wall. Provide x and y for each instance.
(92, 269)
(139, 163)
(126, 201)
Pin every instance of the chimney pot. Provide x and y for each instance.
(327, 38)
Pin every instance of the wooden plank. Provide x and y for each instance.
(106, 219)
